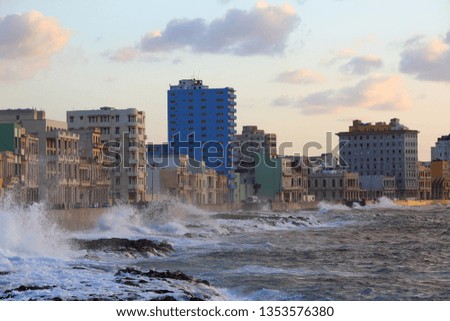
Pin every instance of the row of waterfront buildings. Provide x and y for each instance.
(101, 157)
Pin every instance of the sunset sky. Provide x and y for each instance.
(300, 68)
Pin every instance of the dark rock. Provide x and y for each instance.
(162, 275)
(164, 298)
(4, 272)
(24, 288)
(119, 245)
(161, 291)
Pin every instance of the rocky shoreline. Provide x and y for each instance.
(130, 248)
(134, 285)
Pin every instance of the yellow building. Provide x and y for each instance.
(424, 181)
(440, 178)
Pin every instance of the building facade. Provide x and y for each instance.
(335, 186)
(201, 124)
(10, 179)
(382, 150)
(25, 156)
(425, 181)
(187, 180)
(440, 180)
(95, 180)
(122, 137)
(1, 174)
(250, 142)
(62, 168)
(441, 150)
(52, 167)
(281, 179)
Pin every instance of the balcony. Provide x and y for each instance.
(132, 173)
(136, 187)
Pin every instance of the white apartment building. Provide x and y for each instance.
(122, 136)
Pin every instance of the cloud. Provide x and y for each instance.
(123, 54)
(282, 101)
(27, 43)
(427, 59)
(340, 55)
(264, 30)
(361, 65)
(375, 93)
(300, 76)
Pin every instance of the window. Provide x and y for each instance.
(71, 119)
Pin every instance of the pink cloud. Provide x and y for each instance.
(301, 76)
(374, 93)
(27, 43)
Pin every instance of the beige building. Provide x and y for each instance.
(31, 169)
(424, 181)
(62, 168)
(440, 180)
(189, 181)
(10, 178)
(25, 150)
(122, 136)
(294, 180)
(95, 180)
(57, 161)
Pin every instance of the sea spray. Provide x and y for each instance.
(27, 231)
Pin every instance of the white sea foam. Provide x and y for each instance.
(325, 207)
(29, 232)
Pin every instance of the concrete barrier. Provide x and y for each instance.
(76, 219)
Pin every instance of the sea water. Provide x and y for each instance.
(376, 252)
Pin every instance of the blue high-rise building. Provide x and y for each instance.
(201, 123)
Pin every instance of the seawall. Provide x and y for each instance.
(421, 202)
(76, 219)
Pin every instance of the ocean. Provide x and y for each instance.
(376, 252)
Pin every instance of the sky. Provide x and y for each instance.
(301, 68)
